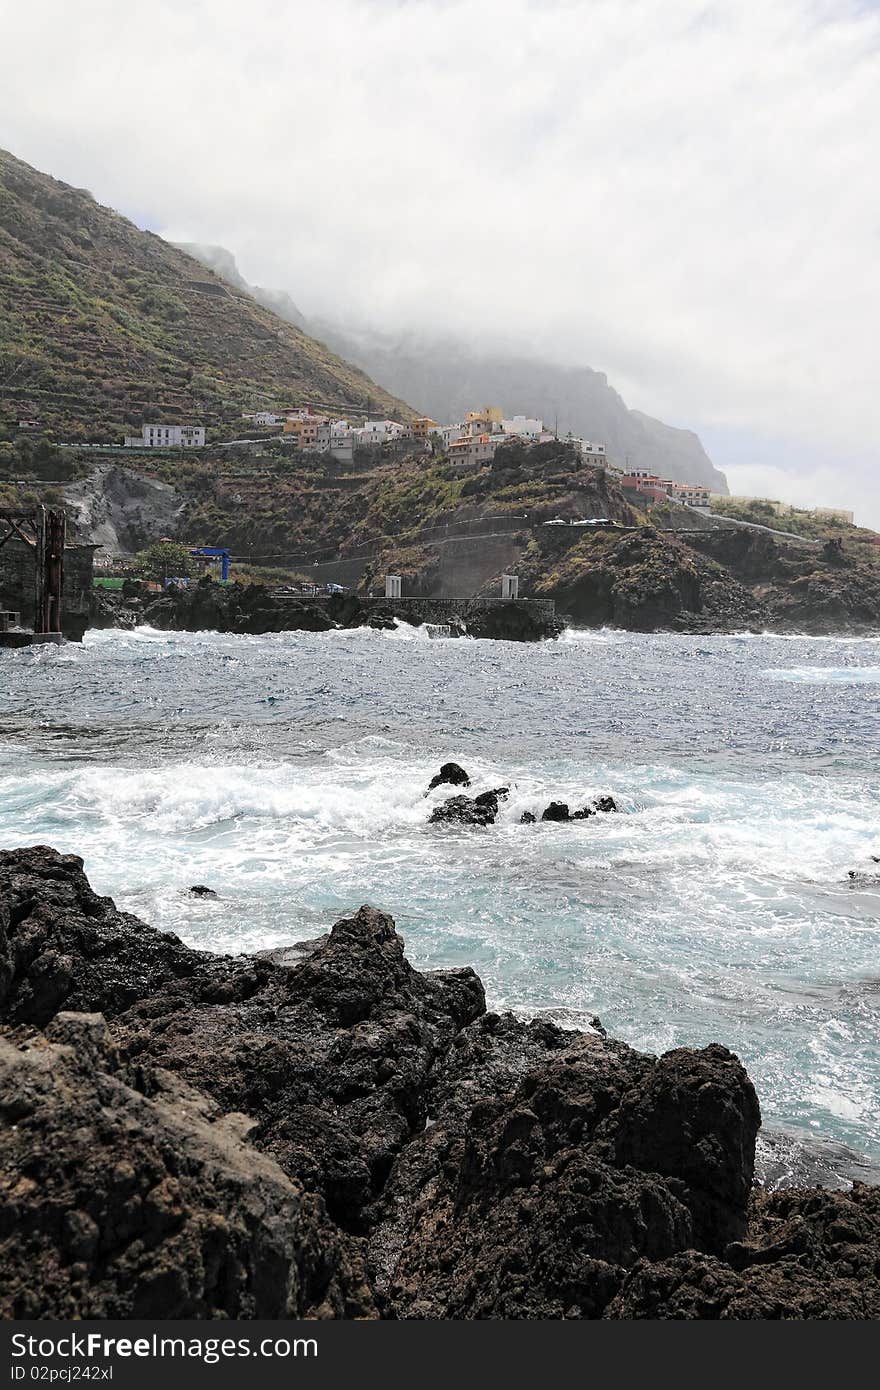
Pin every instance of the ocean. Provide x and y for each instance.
(288, 773)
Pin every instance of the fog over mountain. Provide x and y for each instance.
(445, 377)
(681, 195)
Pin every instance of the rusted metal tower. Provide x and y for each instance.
(43, 529)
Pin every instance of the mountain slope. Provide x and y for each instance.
(223, 263)
(103, 326)
(445, 378)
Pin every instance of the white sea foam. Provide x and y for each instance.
(826, 675)
(289, 773)
(587, 636)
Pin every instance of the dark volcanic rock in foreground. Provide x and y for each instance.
(234, 1136)
(808, 1255)
(597, 1158)
(126, 1194)
(329, 1056)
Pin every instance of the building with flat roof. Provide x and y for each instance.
(167, 437)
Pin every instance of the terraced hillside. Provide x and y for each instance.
(103, 326)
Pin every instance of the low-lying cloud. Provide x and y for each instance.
(683, 195)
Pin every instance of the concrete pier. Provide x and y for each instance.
(431, 610)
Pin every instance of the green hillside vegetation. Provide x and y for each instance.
(300, 505)
(104, 327)
(763, 512)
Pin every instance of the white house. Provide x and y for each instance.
(523, 426)
(376, 432)
(450, 433)
(335, 439)
(689, 494)
(167, 437)
(594, 453)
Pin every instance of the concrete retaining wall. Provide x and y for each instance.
(17, 584)
(440, 610)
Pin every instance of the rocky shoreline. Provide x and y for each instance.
(661, 603)
(324, 1131)
(254, 609)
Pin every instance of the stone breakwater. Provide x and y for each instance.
(254, 609)
(324, 1131)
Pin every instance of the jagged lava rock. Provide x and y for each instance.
(545, 1202)
(467, 810)
(452, 774)
(63, 945)
(126, 1194)
(809, 1255)
(330, 1055)
(494, 1167)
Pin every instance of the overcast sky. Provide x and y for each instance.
(680, 193)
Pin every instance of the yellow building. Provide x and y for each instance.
(490, 415)
(423, 425)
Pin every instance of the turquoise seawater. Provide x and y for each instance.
(288, 773)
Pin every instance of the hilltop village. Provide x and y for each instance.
(468, 445)
(185, 432)
(412, 519)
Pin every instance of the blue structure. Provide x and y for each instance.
(218, 553)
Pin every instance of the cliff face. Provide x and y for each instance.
(452, 536)
(188, 1135)
(445, 379)
(824, 588)
(715, 581)
(103, 326)
(644, 580)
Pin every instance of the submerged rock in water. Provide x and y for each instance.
(464, 810)
(866, 878)
(210, 1148)
(560, 811)
(201, 890)
(451, 774)
(491, 798)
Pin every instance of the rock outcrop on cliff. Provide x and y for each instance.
(643, 580)
(328, 1132)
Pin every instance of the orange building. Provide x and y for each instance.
(423, 425)
(306, 429)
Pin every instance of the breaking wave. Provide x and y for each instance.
(289, 773)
